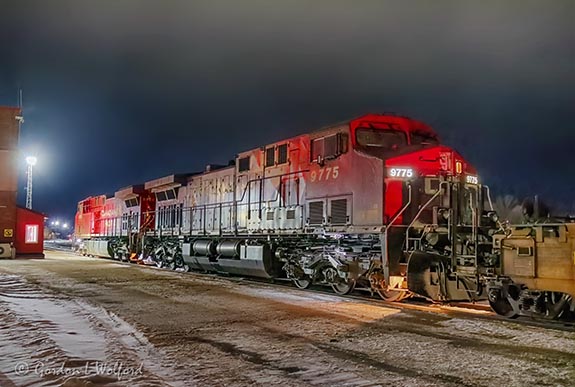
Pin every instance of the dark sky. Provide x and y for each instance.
(118, 92)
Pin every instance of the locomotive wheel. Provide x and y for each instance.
(423, 275)
(555, 304)
(501, 303)
(503, 308)
(302, 283)
(392, 295)
(343, 288)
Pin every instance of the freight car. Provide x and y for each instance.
(374, 203)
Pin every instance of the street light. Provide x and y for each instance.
(31, 161)
(65, 226)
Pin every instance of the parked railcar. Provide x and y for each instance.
(112, 226)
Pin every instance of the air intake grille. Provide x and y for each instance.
(315, 212)
(270, 215)
(339, 211)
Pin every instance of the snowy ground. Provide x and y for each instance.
(75, 321)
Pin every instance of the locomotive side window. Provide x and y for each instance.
(244, 164)
(282, 154)
(132, 202)
(317, 149)
(383, 139)
(171, 194)
(160, 196)
(329, 147)
(270, 156)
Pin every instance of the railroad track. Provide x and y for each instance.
(463, 309)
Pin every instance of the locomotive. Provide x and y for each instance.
(374, 203)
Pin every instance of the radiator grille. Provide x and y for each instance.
(339, 211)
(270, 215)
(315, 212)
(290, 214)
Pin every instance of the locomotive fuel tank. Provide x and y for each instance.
(229, 248)
(200, 254)
(231, 256)
(253, 260)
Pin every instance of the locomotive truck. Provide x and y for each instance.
(374, 203)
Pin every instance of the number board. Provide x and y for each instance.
(400, 173)
(470, 179)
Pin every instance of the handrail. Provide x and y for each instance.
(385, 255)
(420, 211)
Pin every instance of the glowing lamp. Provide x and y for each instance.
(31, 160)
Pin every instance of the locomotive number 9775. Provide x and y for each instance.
(329, 173)
(400, 172)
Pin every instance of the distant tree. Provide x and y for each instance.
(509, 209)
(535, 209)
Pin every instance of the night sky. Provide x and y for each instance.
(118, 92)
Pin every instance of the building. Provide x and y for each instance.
(21, 229)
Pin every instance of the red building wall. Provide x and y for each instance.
(29, 238)
(20, 228)
(9, 128)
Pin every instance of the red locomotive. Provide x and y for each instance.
(374, 203)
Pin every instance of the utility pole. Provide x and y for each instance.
(31, 161)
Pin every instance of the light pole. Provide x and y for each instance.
(31, 161)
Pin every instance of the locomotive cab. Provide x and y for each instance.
(386, 136)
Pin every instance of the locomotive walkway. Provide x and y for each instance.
(62, 317)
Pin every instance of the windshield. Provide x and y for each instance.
(423, 138)
(383, 139)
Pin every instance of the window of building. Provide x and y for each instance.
(31, 233)
(283, 154)
(244, 164)
(270, 157)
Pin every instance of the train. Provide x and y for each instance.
(376, 203)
